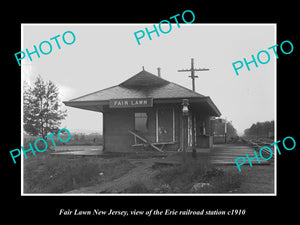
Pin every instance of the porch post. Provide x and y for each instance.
(194, 151)
(185, 114)
(103, 131)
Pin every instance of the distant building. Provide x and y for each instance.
(146, 110)
(223, 131)
(219, 131)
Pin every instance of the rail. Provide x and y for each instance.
(258, 144)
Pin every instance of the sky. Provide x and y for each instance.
(104, 55)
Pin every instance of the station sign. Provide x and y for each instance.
(131, 103)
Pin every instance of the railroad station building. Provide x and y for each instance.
(147, 111)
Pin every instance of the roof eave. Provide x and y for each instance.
(98, 105)
(214, 107)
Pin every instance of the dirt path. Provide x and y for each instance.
(141, 172)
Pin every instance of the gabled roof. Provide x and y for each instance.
(141, 85)
(144, 79)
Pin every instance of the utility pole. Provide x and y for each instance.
(193, 76)
(192, 70)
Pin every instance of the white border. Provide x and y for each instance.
(22, 113)
(134, 24)
(275, 120)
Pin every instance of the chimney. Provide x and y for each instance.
(158, 72)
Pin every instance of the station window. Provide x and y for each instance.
(140, 121)
(202, 127)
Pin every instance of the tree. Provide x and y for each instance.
(231, 131)
(261, 129)
(42, 108)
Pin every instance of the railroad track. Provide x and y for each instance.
(258, 144)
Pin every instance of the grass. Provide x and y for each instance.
(44, 173)
(223, 179)
(196, 176)
(137, 187)
(199, 176)
(76, 139)
(181, 179)
(260, 179)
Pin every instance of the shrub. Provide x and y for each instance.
(228, 182)
(182, 178)
(137, 187)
